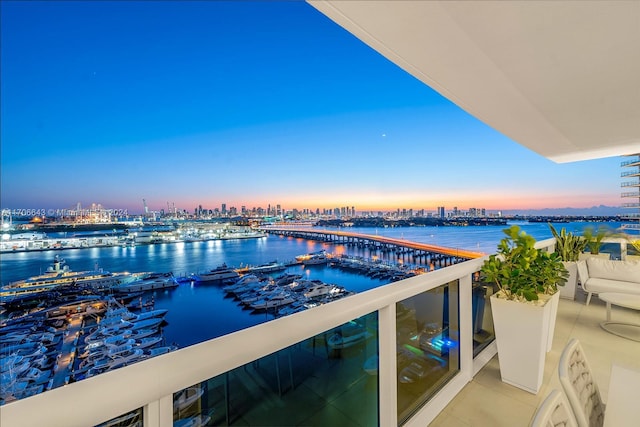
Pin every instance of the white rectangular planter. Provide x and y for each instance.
(568, 291)
(523, 335)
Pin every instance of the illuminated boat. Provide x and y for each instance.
(314, 258)
(149, 281)
(218, 274)
(58, 275)
(263, 268)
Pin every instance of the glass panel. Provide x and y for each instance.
(329, 379)
(130, 419)
(613, 249)
(483, 332)
(428, 351)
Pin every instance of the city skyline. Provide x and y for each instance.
(204, 103)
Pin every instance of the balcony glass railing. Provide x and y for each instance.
(630, 162)
(631, 194)
(427, 346)
(317, 381)
(130, 419)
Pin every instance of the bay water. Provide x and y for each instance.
(201, 312)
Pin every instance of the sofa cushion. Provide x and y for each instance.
(597, 286)
(627, 271)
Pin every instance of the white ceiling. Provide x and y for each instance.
(559, 77)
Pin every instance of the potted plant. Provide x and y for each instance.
(594, 242)
(524, 307)
(569, 247)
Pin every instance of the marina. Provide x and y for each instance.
(75, 335)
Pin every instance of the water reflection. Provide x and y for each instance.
(328, 379)
(130, 419)
(427, 342)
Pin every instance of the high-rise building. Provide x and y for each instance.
(631, 192)
(224, 209)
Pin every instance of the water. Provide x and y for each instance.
(200, 312)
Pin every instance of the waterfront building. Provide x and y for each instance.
(631, 192)
(493, 60)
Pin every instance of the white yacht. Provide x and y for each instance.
(218, 274)
(313, 258)
(147, 282)
(59, 275)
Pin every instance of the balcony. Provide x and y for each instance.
(486, 400)
(302, 369)
(635, 161)
(631, 194)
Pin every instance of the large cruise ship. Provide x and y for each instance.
(58, 276)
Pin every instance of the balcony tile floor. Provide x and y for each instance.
(487, 401)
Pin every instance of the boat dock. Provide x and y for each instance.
(64, 364)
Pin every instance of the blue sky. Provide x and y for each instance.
(245, 103)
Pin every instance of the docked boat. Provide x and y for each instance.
(101, 333)
(322, 289)
(263, 268)
(272, 301)
(124, 314)
(147, 342)
(218, 274)
(314, 258)
(243, 283)
(147, 282)
(108, 362)
(157, 351)
(152, 323)
(58, 276)
(140, 333)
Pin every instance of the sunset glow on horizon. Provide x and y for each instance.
(249, 104)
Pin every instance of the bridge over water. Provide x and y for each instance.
(422, 253)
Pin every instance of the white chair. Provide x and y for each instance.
(554, 411)
(580, 386)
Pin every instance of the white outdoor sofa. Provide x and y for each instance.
(598, 275)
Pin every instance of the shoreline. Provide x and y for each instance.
(56, 244)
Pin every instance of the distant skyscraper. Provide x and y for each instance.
(441, 211)
(224, 209)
